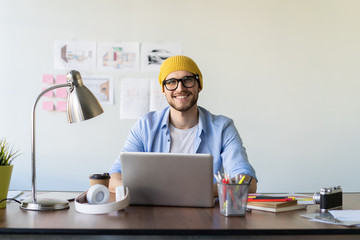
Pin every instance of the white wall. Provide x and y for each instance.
(286, 71)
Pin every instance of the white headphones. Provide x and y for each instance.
(95, 200)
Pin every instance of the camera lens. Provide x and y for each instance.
(316, 198)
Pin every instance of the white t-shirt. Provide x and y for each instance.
(182, 140)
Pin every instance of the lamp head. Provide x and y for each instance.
(81, 102)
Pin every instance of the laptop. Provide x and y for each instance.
(168, 179)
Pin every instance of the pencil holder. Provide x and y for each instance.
(233, 198)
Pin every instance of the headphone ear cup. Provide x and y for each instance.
(82, 206)
(120, 193)
(98, 194)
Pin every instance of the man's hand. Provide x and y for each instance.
(115, 181)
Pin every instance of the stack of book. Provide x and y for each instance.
(273, 204)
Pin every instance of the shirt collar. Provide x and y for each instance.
(202, 121)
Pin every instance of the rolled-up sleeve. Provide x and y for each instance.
(234, 157)
(133, 143)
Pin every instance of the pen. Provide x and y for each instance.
(224, 192)
(250, 179)
(242, 179)
(219, 175)
(270, 200)
(227, 181)
(270, 197)
(227, 176)
(217, 178)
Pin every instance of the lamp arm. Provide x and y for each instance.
(33, 135)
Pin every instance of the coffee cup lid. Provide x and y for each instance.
(100, 176)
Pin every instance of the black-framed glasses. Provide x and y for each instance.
(187, 81)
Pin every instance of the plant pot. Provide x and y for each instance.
(5, 176)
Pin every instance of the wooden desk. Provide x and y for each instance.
(171, 221)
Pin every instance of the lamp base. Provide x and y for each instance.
(46, 204)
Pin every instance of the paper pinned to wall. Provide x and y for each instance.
(61, 92)
(157, 98)
(118, 56)
(134, 98)
(102, 87)
(153, 54)
(60, 79)
(79, 55)
(49, 94)
(139, 96)
(48, 78)
(61, 106)
(48, 106)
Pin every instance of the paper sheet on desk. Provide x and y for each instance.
(346, 215)
(69, 196)
(343, 217)
(14, 194)
(59, 195)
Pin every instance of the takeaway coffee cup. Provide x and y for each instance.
(100, 179)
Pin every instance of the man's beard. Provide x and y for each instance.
(184, 108)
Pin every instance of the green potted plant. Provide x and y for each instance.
(7, 156)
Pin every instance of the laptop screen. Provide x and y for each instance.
(168, 179)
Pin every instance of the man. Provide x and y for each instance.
(185, 127)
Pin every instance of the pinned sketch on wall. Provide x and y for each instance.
(79, 55)
(138, 96)
(114, 56)
(102, 87)
(134, 98)
(153, 54)
(157, 97)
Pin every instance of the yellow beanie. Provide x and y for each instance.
(178, 63)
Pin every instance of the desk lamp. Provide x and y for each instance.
(81, 105)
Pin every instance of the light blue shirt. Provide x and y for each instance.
(216, 135)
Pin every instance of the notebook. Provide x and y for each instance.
(279, 209)
(168, 179)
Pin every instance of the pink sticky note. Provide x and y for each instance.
(61, 106)
(48, 78)
(61, 92)
(49, 94)
(48, 106)
(60, 79)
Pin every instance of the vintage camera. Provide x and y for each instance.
(328, 198)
